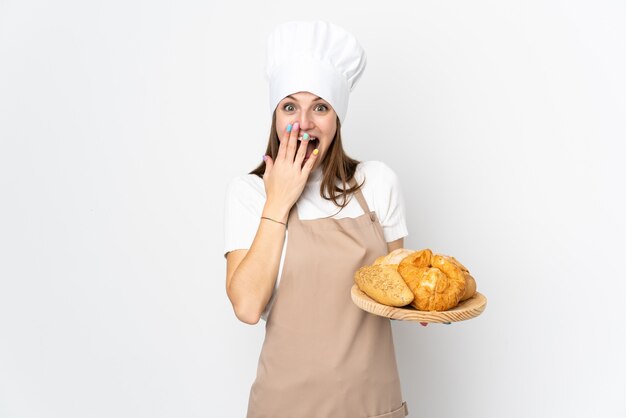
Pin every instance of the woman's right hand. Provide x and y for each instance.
(286, 177)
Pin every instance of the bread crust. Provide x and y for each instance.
(437, 281)
(394, 257)
(384, 284)
(419, 258)
(470, 287)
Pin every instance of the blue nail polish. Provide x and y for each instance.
(305, 136)
(289, 128)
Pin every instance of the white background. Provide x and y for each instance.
(121, 123)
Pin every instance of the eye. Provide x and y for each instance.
(289, 107)
(322, 107)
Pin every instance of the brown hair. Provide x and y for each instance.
(336, 166)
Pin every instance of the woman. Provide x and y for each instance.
(295, 237)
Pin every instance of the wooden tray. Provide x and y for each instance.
(467, 309)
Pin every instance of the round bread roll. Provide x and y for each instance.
(384, 284)
(438, 282)
(380, 260)
(394, 257)
(470, 287)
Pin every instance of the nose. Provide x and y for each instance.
(306, 122)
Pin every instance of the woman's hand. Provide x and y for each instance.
(286, 177)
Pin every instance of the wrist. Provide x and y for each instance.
(276, 213)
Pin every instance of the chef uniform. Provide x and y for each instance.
(322, 356)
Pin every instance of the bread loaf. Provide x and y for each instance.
(384, 284)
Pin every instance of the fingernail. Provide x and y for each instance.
(289, 128)
(305, 136)
(296, 126)
(315, 151)
(447, 323)
(264, 157)
(424, 323)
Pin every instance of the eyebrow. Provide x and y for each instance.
(293, 98)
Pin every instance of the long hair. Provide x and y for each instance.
(337, 165)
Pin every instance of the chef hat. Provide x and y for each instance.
(318, 57)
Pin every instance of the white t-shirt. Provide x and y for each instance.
(245, 199)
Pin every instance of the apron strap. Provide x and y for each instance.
(361, 200)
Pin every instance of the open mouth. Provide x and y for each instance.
(312, 144)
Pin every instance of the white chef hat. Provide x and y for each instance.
(318, 57)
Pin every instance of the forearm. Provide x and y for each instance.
(253, 282)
